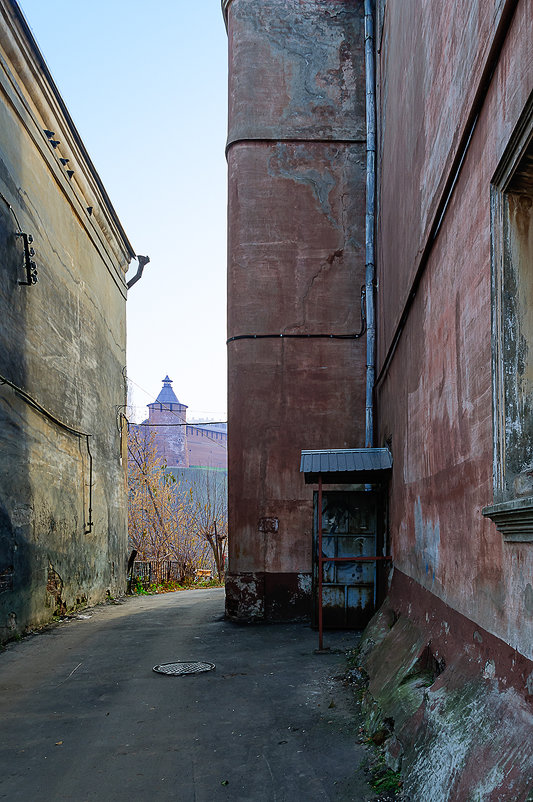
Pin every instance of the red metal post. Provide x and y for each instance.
(320, 644)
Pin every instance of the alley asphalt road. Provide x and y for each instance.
(84, 717)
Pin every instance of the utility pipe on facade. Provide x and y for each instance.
(370, 221)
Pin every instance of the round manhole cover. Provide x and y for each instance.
(179, 669)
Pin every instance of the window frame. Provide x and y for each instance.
(512, 514)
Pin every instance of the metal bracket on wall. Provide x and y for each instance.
(29, 252)
(29, 264)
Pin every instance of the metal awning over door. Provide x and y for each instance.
(346, 532)
(346, 465)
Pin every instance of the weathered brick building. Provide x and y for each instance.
(181, 444)
(63, 535)
(453, 389)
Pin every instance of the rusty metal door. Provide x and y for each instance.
(349, 529)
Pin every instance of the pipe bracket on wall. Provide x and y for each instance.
(29, 264)
(29, 252)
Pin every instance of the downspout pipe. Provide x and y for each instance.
(370, 270)
(143, 261)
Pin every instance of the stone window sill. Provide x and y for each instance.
(514, 519)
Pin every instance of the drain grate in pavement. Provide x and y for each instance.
(180, 669)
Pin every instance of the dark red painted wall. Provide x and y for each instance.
(434, 398)
(296, 159)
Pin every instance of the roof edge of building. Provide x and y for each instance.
(46, 85)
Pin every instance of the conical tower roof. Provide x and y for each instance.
(167, 394)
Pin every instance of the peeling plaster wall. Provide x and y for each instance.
(434, 398)
(296, 161)
(62, 340)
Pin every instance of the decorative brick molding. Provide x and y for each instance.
(514, 519)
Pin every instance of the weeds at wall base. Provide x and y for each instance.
(138, 589)
(385, 781)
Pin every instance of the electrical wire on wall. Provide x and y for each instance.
(319, 336)
(197, 425)
(11, 209)
(28, 399)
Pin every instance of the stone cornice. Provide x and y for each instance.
(514, 519)
(39, 105)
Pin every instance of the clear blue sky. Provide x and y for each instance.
(146, 86)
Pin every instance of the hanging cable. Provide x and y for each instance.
(62, 425)
(165, 407)
(192, 425)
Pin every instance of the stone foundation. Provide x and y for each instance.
(265, 596)
(453, 703)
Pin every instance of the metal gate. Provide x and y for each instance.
(349, 529)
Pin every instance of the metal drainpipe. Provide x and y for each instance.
(370, 221)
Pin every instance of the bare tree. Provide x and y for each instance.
(210, 502)
(181, 517)
(161, 519)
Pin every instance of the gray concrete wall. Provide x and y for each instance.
(62, 340)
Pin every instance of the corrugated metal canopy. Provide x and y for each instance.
(346, 465)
